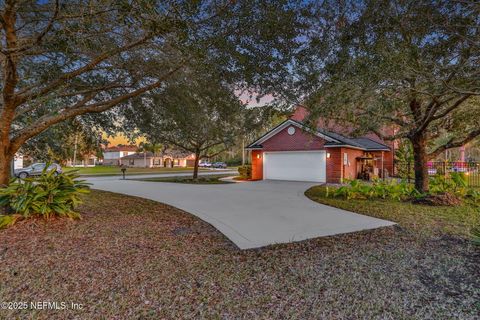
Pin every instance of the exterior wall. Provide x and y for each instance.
(111, 155)
(334, 169)
(18, 161)
(257, 165)
(111, 162)
(137, 162)
(350, 170)
(300, 140)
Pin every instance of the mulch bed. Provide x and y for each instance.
(130, 258)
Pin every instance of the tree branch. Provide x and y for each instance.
(81, 108)
(23, 97)
(452, 143)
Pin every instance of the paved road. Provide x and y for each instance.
(159, 175)
(251, 214)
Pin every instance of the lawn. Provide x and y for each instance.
(423, 219)
(208, 179)
(130, 258)
(115, 170)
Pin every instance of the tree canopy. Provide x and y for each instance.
(197, 113)
(61, 59)
(411, 66)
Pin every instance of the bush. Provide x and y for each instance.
(456, 183)
(233, 162)
(245, 171)
(47, 195)
(476, 235)
(379, 189)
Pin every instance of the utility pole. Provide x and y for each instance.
(243, 151)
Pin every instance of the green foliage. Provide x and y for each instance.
(378, 189)
(48, 195)
(476, 235)
(245, 171)
(455, 182)
(404, 160)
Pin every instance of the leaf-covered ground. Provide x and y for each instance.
(131, 258)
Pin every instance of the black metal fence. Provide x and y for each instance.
(471, 170)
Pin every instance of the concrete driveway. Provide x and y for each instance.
(251, 214)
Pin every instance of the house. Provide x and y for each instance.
(170, 158)
(18, 161)
(293, 151)
(88, 160)
(111, 156)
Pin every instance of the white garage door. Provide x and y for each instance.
(295, 166)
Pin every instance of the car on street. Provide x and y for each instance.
(219, 165)
(36, 169)
(204, 164)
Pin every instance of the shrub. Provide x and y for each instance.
(47, 195)
(476, 235)
(245, 171)
(391, 189)
(455, 183)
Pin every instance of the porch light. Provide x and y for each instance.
(258, 155)
(328, 154)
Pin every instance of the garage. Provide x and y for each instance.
(295, 166)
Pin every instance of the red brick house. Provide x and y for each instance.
(292, 151)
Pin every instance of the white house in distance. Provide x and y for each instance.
(18, 161)
(111, 156)
(168, 159)
(85, 161)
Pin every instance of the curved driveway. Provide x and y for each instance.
(251, 214)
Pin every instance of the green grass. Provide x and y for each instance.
(210, 179)
(115, 170)
(458, 220)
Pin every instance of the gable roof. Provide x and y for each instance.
(333, 139)
(131, 148)
(257, 143)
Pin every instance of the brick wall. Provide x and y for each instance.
(257, 165)
(350, 171)
(300, 140)
(334, 170)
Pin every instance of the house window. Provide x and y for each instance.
(291, 131)
(157, 162)
(131, 162)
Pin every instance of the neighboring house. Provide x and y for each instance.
(111, 156)
(85, 161)
(292, 151)
(18, 161)
(170, 158)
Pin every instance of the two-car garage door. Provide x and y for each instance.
(295, 166)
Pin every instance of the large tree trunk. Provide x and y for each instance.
(419, 143)
(195, 166)
(5, 167)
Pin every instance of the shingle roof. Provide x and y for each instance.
(363, 143)
(370, 144)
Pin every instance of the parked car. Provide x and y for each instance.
(36, 169)
(204, 164)
(221, 165)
